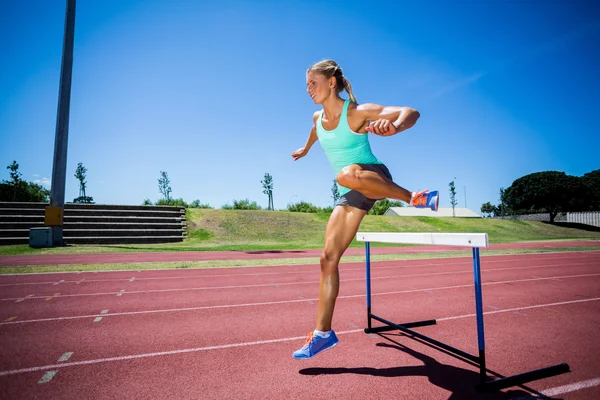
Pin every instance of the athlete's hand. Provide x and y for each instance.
(382, 127)
(301, 152)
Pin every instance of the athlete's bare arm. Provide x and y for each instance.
(381, 120)
(312, 138)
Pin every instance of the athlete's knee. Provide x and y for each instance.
(329, 260)
(348, 177)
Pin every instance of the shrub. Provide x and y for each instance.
(303, 206)
(242, 205)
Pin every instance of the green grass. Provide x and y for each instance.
(277, 230)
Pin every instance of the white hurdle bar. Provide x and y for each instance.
(475, 241)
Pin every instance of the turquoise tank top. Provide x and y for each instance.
(344, 146)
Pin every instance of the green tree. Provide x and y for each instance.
(303, 206)
(268, 189)
(381, 206)
(335, 192)
(545, 192)
(16, 189)
(591, 181)
(15, 180)
(487, 209)
(15, 175)
(164, 186)
(242, 205)
(80, 174)
(500, 210)
(196, 204)
(453, 200)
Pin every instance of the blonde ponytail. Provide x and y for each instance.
(348, 88)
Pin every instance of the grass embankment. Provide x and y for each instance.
(279, 230)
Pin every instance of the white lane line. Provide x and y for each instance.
(287, 284)
(47, 377)
(162, 353)
(98, 319)
(56, 295)
(24, 298)
(59, 282)
(268, 303)
(572, 387)
(245, 344)
(561, 303)
(65, 356)
(305, 266)
(132, 279)
(521, 314)
(373, 278)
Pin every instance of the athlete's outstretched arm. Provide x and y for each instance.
(312, 138)
(387, 120)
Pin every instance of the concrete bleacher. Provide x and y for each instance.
(459, 212)
(96, 223)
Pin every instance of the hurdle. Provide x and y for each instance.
(471, 240)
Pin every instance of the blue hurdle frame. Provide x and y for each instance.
(485, 385)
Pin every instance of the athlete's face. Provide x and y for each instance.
(318, 87)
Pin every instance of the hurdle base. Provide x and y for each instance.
(515, 380)
(405, 328)
(484, 386)
(388, 328)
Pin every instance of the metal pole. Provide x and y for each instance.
(368, 265)
(479, 314)
(59, 166)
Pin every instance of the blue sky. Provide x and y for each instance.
(213, 93)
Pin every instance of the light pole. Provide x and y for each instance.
(55, 212)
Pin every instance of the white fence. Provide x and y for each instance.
(587, 218)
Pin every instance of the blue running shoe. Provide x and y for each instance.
(425, 199)
(314, 345)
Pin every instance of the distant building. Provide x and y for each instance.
(425, 212)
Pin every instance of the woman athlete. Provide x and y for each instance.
(342, 128)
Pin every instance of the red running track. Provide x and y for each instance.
(229, 333)
(54, 259)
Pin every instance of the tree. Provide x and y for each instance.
(16, 189)
(335, 192)
(381, 206)
(15, 179)
(546, 192)
(15, 175)
(196, 204)
(303, 206)
(487, 209)
(80, 175)
(163, 186)
(501, 209)
(591, 181)
(268, 189)
(453, 200)
(242, 205)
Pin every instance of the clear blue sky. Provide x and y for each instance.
(213, 93)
